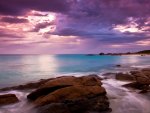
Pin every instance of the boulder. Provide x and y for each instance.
(133, 85)
(70, 95)
(62, 82)
(142, 80)
(71, 80)
(141, 77)
(126, 77)
(146, 72)
(54, 108)
(8, 99)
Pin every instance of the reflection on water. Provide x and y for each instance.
(130, 59)
(18, 69)
(42, 63)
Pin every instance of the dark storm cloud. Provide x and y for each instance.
(19, 7)
(71, 32)
(92, 21)
(95, 19)
(110, 11)
(12, 20)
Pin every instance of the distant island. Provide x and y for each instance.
(144, 52)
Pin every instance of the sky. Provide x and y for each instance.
(74, 26)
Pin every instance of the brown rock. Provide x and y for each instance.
(44, 91)
(70, 93)
(134, 85)
(70, 80)
(146, 72)
(8, 99)
(76, 94)
(61, 82)
(141, 77)
(54, 108)
(126, 77)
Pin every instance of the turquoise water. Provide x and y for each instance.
(18, 69)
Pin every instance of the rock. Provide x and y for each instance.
(141, 77)
(62, 82)
(126, 77)
(54, 108)
(96, 104)
(133, 85)
(70, 80)
(8, 99)
(146, 72)
(143, 91)
(44, 91)
(70, 95)
(118, 65)
(26, 86)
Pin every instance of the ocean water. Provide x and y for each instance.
(18, 69)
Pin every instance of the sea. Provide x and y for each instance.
(22, 69)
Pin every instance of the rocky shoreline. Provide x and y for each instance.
(69, 94)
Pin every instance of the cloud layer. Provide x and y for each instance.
(74, 26)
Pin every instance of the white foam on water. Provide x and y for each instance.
(123, 100)
(21, 107)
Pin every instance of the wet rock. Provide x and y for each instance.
(133, 85)
(44, 91)
(71, 80)
(8, 99)
(26, 86)
(71, 94)
(95, 104)
(141, 77)
(126, 77)
(54, 108)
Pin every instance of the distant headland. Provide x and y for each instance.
(142, 53)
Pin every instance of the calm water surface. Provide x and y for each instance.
(17, 69)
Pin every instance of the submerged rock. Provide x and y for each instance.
(8, 99)
(71, 95)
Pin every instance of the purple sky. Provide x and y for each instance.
(74, 26)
